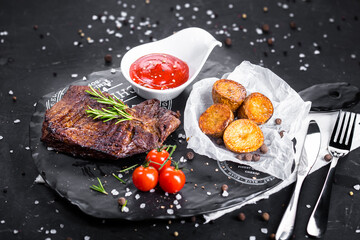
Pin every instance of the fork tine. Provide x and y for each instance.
(345, 127)
(349, 137)
(336, 129)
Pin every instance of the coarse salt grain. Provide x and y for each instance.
(11, 92)
(308, 205)
(2, 221)
(36, 202)
(178, 206)
(53, 231)
(16, 231)
(264, 230)
(114, 192)
(86, 238)
(225, 193)
(16, 120)
(1, 137)
(142, 205)
(152, 190)
(196, 225)
(178, 196)
(170, 211)
(39, 179)
(259, 31)
(303, 68)
(176, 202)
(252, 238)
(125, 209)
(357, 187)
(301, 55)
(137, 196)
(182, 159)
(208, 193)
(74, 75)
(127, 194)
(316, 52)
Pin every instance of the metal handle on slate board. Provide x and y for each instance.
(318, 220)
(287, 223)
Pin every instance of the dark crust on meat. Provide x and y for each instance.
(67, 128)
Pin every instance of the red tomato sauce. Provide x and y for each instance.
(159, 71)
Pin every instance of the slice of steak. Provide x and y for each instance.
(68, 128)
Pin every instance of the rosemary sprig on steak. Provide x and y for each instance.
(116, 111)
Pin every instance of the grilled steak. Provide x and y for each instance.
(67, 127)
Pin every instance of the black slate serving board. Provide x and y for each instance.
(71, 177)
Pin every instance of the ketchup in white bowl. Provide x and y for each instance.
(159, 71)
(191, 46)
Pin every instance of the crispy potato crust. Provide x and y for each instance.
(256, 107)
(228, 92)
(243, 136)
(215, 119)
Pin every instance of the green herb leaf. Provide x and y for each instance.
(115, 111)
(117, 177)
(99, 188)
(123, 206)
(129, 168)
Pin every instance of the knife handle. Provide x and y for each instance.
(319, 217)
(287, 223)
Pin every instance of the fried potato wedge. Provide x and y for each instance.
(215, 119)
(243, 135)
(228, 92)
(256, 107)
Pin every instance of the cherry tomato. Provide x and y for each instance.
(171, 180)
(159, 158)
(145, 178)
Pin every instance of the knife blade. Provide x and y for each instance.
(308, 158)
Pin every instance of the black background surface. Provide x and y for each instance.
(36, 62)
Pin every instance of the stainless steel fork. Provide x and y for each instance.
(339, 146)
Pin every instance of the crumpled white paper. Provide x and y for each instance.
(288, 106)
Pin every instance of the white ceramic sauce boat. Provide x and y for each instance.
(192, 45)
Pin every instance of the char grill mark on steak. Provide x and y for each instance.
(67, 128)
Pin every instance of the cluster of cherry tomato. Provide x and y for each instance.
(158, 169)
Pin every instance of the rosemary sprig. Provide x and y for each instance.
(99, 187)
(115, 111)
(117, 177)
(100, 97)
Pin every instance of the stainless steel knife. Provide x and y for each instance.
(308, 157)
